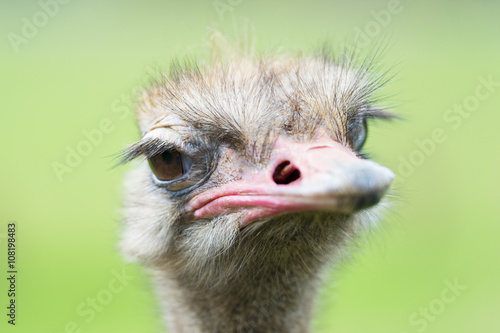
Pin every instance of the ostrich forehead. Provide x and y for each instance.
(244, 99)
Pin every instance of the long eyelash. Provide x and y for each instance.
(146, 148)
(372, 112)
(364, 155)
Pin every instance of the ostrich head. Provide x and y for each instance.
(252, 178)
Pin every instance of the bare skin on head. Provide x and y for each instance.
(255, 180)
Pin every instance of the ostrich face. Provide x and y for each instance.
(247, 148)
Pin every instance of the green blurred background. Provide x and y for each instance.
(81, 65)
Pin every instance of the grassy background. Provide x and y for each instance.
(86, 61)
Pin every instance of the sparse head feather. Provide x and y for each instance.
(241, 98)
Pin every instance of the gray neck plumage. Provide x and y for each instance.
(264, 283)
(252, 308)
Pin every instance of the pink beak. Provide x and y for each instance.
(320, 176)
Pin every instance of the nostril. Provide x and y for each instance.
(285, 173)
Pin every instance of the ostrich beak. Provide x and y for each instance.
(322, 175)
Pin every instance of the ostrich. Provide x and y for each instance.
(254, 181)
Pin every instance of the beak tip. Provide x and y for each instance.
(368, 200)
(389, 175)
(372, 185)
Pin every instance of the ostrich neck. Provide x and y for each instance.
(270, 302)
(267, 282)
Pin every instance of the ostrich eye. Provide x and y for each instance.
(360, 139)
(170, 165)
